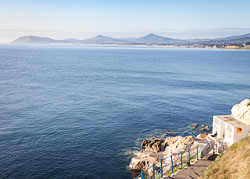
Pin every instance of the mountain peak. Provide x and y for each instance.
(152, 35)
(100, 39)
(156, 39)
(101, 36)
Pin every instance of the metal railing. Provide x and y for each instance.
(179, 162)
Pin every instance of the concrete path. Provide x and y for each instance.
(194, 171)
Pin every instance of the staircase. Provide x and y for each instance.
(195, 170)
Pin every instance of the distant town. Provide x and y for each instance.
(232, 42)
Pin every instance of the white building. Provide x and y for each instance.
(229, 129)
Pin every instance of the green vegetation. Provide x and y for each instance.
(235, 163)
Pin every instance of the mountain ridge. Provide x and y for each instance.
(100, 39)
(149, 39)
(155, 39)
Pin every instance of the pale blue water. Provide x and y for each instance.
(70, 112)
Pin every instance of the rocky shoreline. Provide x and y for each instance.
(154, 149)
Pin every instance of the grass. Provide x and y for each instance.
(234, 164)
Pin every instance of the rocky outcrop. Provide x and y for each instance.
(177, 144)
(152, 145)
(139, 164)
(242, 111)
(151, 152)
(154, 149)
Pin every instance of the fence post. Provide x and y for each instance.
(172, 164)
(181, 159)
(141, 174)
(161, 170)
(153, 171)
(189, 156)
(197, 153)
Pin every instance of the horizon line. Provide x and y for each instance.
(122, 38)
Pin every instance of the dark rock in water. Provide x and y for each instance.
(152, 145)
(204, 128)
(194, 126)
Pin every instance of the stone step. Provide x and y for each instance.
(194, 171)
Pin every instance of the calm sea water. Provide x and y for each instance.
(71, 112)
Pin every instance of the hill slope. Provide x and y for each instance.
(235, 163)
(150, 39)
(156, 39)
(34, 40)
(235, 37)
(100, 39)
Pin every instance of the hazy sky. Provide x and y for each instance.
(123, 18)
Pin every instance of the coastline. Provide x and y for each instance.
(246, 47)
(178, 46)
(155, 148)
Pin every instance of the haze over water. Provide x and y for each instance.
(71, 112)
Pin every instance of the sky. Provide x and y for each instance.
(183, 19)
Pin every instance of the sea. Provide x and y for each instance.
(75, 111)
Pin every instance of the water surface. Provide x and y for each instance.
(70, 112)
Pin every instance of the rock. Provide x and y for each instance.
(138, 164)
(194, 126)
(204, 128)
(171, 140)
(176, 144)
(152, 145)
(202, 136)
(242, 111)
(188, 140)
(144, 160)
(151, 152)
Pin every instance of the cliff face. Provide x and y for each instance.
(235, 163)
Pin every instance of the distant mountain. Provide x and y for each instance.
(150, 39)
(156, 39)
(235, 37)
(226, 41)
(73, 41)
(100, 39)
(240, 41)
(35, 40)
